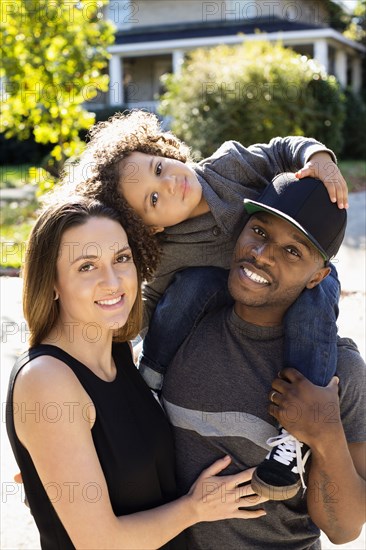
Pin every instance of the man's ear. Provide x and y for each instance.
(156, 229)
(318, 276)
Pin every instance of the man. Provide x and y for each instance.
(217, 388)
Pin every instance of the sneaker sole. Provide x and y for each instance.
(271, 492)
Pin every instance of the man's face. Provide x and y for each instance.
(273, 263)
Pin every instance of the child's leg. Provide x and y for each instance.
(311, 331)
(192, 293)
(311, 348)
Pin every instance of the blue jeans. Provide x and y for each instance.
(311, 331)
(310, 323)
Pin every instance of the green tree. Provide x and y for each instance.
(356, 28)
(339, 17)
(251, 93)
(54, 56)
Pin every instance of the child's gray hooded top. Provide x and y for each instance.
(231, 174)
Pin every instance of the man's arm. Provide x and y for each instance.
(336, 484)
(336, 490)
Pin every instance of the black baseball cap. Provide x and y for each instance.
(305, 204)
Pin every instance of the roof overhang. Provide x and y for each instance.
(290, 37)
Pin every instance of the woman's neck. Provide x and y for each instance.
(94, 350)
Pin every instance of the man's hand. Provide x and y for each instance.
(309, 412)
(321, 166)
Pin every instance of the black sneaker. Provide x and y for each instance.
(280, 475)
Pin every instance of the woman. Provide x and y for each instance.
(92, 443)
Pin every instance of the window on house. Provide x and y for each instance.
(349, 71)
(141, 77)
(304, 49)
(331, 60)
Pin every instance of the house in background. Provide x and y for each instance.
(154, 36)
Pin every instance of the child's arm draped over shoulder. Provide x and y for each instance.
(255, 166)
(232, 173)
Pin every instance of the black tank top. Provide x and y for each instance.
(132, 438)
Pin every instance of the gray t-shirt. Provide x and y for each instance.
(216, 396)
(232, 173)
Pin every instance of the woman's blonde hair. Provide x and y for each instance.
(41, 311)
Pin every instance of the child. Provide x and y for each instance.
(197, 209)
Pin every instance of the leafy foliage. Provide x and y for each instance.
(53, 60)
(356, 30)
(354, 127)
(252, 93)
(339, 18)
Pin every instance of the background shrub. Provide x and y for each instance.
(251, 93)
(15, 151)
(354, 127)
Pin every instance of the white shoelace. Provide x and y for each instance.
(288, 448)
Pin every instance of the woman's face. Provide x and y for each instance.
(96, 276)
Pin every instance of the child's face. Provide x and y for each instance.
(161, 190)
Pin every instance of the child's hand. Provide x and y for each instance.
(321, 166)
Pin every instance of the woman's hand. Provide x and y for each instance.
(18, 478)
(222, 497)
(321, 166)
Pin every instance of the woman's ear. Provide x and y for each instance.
(156, 229)
(318, 277)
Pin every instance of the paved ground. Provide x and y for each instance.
(17, 527)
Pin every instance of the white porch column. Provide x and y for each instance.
(340, 67)
(321, 53)
(356, 75)
(115, 80)
(178, 59)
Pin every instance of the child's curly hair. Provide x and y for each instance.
(98, 172)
